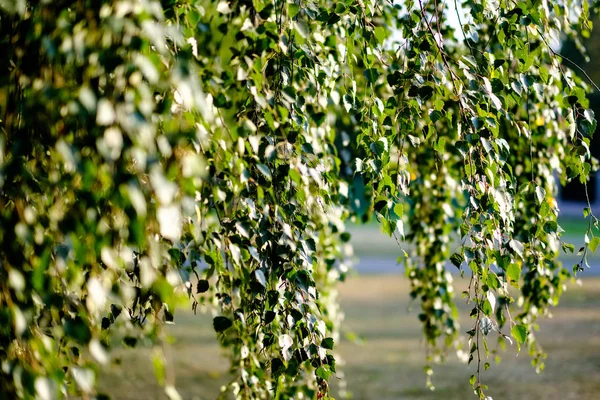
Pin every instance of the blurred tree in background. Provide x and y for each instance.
(584, 58)
(154, 152)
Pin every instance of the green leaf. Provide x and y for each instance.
(399, 210)
(386, 227)
(77, 329)
(540, 194)
(380, 32)
(477, 122)
(293, 9)
(550, 227)
(568, 247)
(435, 116)
(130, 341)
(323, 373)
(345, 237)
(544, 74)
(593, 244)
(277, 367)
(265, 171)
(371, 75)
(440, 145)
(202, 286)
(457, 259)
(221, 323)
(327, 343)
(177, 256)
(158, 361)
(295, 176)
(358, 201)
(220, 101)
(487, 308)
(513, 273)
(269, 317)
(492, 281)
(379, 147)
(519, 332)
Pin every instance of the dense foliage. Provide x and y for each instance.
(152, 152)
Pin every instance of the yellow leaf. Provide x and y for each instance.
(539, 121)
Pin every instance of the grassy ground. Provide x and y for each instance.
(389, 363)
(368, 241)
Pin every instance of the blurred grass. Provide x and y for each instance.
(368, 240)
(389, 364)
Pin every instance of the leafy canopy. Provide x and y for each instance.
(153, 151)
